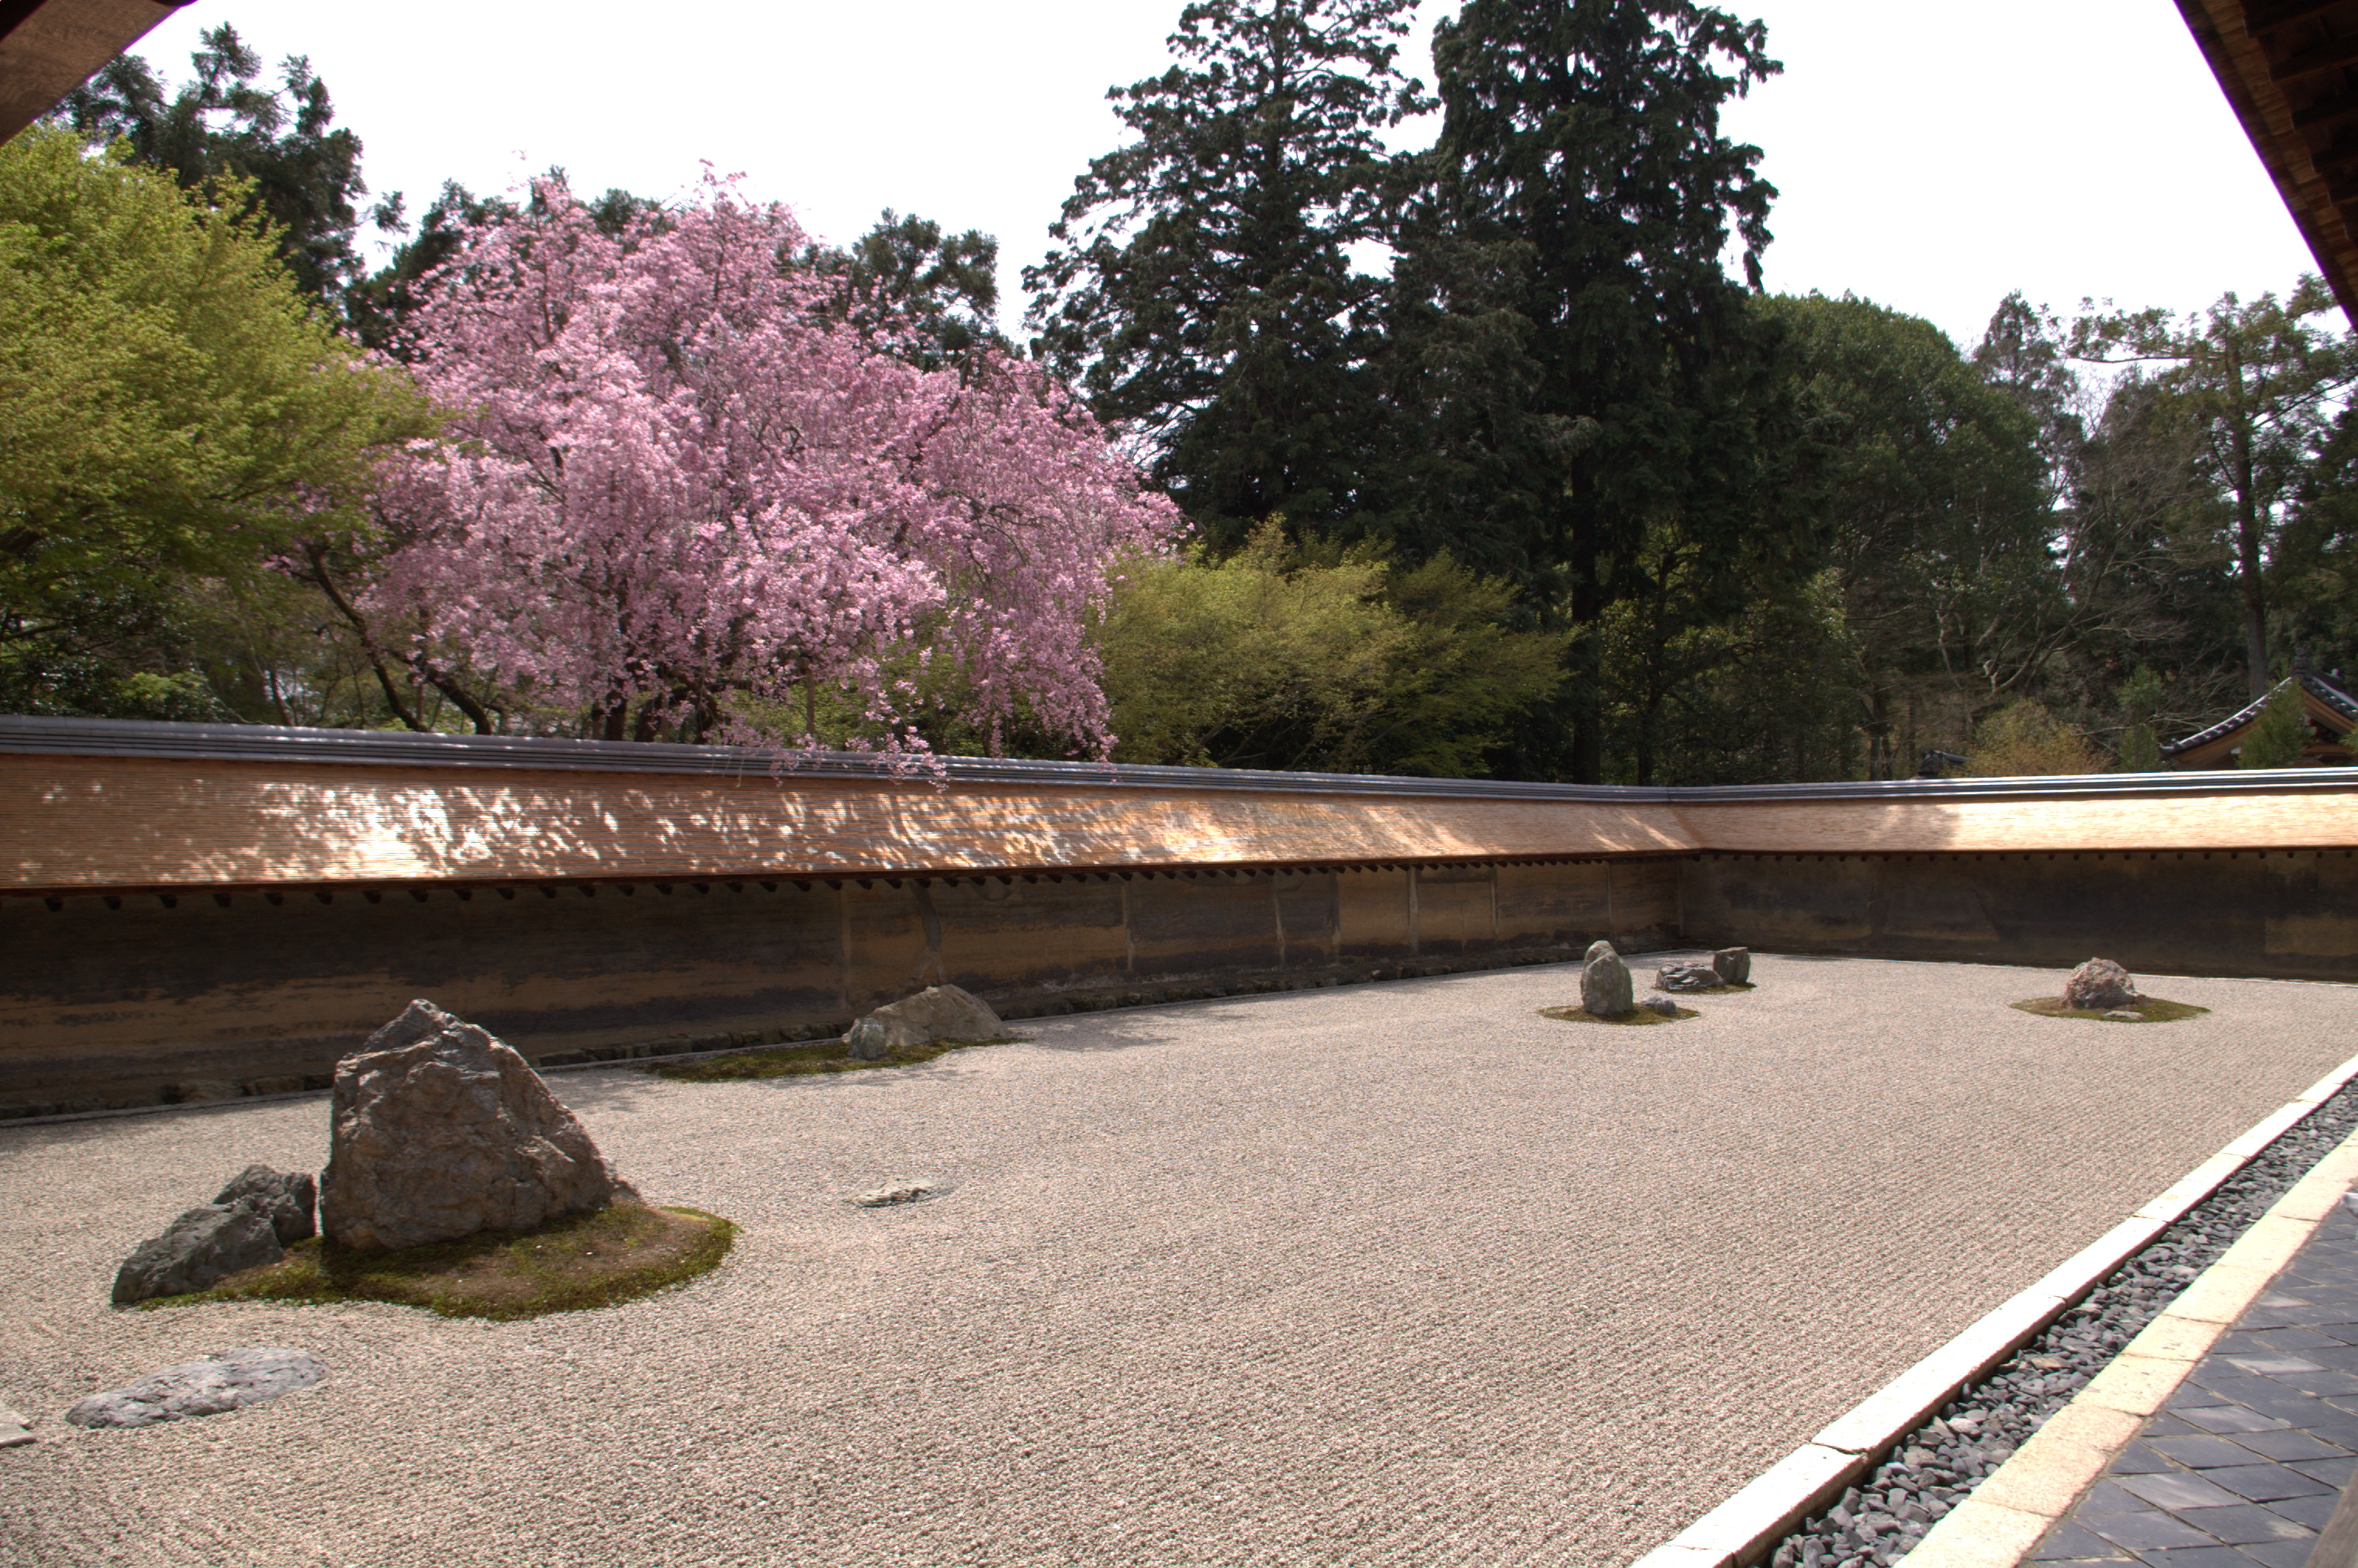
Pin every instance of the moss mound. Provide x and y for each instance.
(2149, 1010)
(1635, 1015)
(602, 1258)
(795, 1061)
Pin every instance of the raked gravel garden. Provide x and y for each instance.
(1396, 1273)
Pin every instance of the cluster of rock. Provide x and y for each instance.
(1728, 966)
(937, 1012)
(250, 1222)
(1607, 991)
(2099, 985)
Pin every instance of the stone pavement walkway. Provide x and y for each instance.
(2245, 1463)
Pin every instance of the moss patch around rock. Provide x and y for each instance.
(1635, 1015)
(2150, 1009)
(601, 1257)
(796, 1061)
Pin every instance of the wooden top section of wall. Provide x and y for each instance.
(85, 809)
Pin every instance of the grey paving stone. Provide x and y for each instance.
(2280, 1553)
(2341, 1430)
(2136, 1459)
(2245, 1523)
(2167, 1424)
(2310, 1511)
(2230, 1419)
(2326, 1382)
(2266, 1483)
(2271, 1363)
(2334, 1353)
(2197, 1557)
(2285, 1447)
(2298, 1340)
(2106, 1498)
(2334, 1472)
(2206, 1452)
(2179, 1490)
(2069, 1542)
(2149, 1532)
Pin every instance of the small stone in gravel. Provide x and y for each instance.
(15, 1430)
(226, 1380)
(899, 1191)
(203, 1246)
(1661, 1004)
(2122, 1015)
(1686, 978)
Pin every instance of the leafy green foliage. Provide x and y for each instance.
(2276, 738)
(2026, 740)
(176, 413)
(913, 291)
(1328, 659)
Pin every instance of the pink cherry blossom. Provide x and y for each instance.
(669, 485)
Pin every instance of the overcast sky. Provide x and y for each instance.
(1930, 157)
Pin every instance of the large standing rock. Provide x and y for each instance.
(1733, 965)
(219, 1382)
(286, 1196)
(2099, 984)
(1606, 990)
(937, 1012)
(437, 1131)
(201, 1247)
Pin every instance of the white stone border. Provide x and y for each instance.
(1748, 1526)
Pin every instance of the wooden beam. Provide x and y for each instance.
(2326, 56)
(2258, 19)
(2335, 110)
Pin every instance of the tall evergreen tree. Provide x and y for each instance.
(304, 171)
(1573, 363)
(1202, 287)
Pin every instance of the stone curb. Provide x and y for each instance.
(1748, 1527)
(2006, 1516)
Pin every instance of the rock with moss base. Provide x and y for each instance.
(2099, 984)
(1733, 965)
(203, 1247)
(937, 1012)
(288, 1197)
(1605, 989)
(437, 1131)
(1687, 977)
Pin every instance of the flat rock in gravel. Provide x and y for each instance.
(1733, 965)
(2099, 983)
(438, 1131)
(899, 1191)
(15, 1430)
(1686, 978)
(204, 1246)
(286, 1197)
(226, 1380)
(937, 1012)
(2125, 1015)
(1606, 989)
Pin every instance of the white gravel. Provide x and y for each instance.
(1399, 1273)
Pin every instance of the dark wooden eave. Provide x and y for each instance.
(2289, 69)
(48, 48)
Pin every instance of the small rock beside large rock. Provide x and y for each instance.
(286, 1197)
(1695, 976)
(203, 1247)
(1605, 989)
(937, 1012)
(2098, 985)
(438, 1131)
(224, 1381)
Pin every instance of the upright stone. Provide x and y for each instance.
(937, 1012)
(2099, 984)
(1734, 964)
(437, 1131)
(1606, 990)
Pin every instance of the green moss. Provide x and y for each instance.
(1636, 1015)
(796, 1061)
(2150, 1009)
(601, 1257)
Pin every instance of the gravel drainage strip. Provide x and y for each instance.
(1867, 1490)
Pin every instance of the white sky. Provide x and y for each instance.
(1930, 157)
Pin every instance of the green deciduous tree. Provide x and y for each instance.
(2277, 736)
(1202, 288)
(1573, 369)
(175, 411)
(1325, 659)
